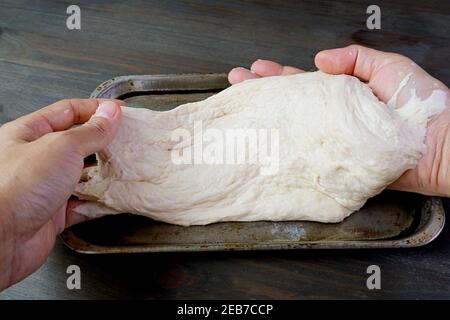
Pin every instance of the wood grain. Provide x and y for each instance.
(42, 61)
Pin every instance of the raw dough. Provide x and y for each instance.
(338, 146)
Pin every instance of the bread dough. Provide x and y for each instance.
(338, 145)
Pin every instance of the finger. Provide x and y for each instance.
(55, 117)
(356, 60)
(240, 74)
(73, 217)
(66, 216)
(95, 134)
(267, 68)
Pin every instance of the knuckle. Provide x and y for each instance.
(64, 140)
(64, 102)
(7, 125)
(63, 145)
(101, 127)
(355, 47)
(397, 57)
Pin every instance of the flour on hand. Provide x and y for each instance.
(337, 146)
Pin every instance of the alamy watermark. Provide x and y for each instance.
(374, 20)
(374, 280)
(74, 280)
(73, 22)
(213, 146)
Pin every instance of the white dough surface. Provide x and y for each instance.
(338, 146)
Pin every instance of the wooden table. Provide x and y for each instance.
(42, 61)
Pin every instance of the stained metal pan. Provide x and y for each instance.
(389, 220)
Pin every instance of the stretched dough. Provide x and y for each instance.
(338, 146)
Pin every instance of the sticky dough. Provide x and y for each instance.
(338, 145)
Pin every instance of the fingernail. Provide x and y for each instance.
(106, 109)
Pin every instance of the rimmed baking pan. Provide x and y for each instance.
(389, 220)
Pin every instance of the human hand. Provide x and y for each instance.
(383, 72)
(41, 157)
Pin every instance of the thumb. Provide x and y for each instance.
(98, 132)
(355, 60)
(382, 71)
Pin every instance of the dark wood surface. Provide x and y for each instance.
(42, 61)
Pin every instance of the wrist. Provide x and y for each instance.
(446, 162)
(6, 243)
(441, 154)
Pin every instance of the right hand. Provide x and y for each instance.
(383, 71)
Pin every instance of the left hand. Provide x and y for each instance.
(41, 157)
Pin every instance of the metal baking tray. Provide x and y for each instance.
(389, 220)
